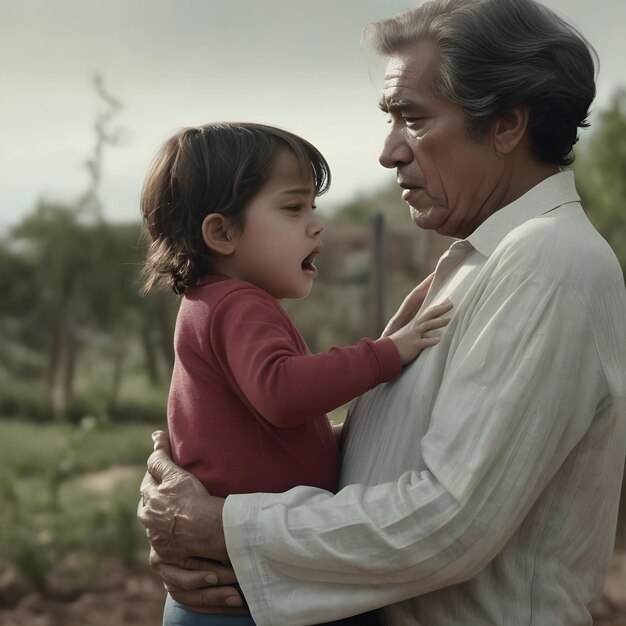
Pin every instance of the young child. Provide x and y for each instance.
(231, 212)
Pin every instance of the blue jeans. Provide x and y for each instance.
(176, 614)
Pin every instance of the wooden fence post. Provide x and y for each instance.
(378, 278)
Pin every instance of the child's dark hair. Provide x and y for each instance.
(216, 168)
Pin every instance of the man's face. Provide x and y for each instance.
(450, 181)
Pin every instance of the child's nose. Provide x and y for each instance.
(316, 227)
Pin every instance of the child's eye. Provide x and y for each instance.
(296, 208)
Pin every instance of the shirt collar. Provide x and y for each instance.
(549, 194)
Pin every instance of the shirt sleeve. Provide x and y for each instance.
(258, 345)
(518, 392)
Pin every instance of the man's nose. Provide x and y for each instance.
(395, 152)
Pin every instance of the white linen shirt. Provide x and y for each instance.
(482, 485)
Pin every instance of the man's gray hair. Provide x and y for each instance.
(496, 54)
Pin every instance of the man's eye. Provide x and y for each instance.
(413, 121)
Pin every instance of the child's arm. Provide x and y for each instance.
(256, 345)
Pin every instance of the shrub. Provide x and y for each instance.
(50, 516)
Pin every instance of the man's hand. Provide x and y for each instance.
(182, 520)
(201, 585)
(184, 526)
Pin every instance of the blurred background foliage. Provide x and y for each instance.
(86, 361)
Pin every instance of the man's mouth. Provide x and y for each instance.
(409, 189)
(410, 193)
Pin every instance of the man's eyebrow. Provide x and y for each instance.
(395, 104)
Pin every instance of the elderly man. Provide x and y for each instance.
(482, 485)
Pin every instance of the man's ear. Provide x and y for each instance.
(216, 231)
(510, 129)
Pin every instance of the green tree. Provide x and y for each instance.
(73, 283)
(70, 282)
(600, 168)
(62, 253)
(17, 277)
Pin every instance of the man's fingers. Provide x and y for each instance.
(204, 588)
(161, 466)
(214, 597)
(148, 487)
(148, 483)
(193, 572)
(179, 578)
(213, 572)
(162, 441)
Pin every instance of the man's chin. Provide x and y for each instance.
(427, 219)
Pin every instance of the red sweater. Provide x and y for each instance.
(247, 403)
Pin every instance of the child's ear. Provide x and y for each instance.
(510, 129)
(216, 231)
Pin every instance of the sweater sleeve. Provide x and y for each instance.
(258, 345)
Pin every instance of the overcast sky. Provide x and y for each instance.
(292, 63)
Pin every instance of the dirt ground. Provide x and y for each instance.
(118, 599)
(112, 598)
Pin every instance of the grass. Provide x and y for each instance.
(36, 449)
(49, 517)
(53, 521)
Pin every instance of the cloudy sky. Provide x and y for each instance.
(172, 63)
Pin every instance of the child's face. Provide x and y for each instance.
(282, 231)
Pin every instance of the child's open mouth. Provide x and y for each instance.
(308, 266)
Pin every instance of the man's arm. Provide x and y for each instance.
(176, 510)
(507, 415)
(184, 526)
(428, 529)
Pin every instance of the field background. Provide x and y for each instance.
(85, 364)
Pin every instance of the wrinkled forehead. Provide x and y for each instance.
(409, 75)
